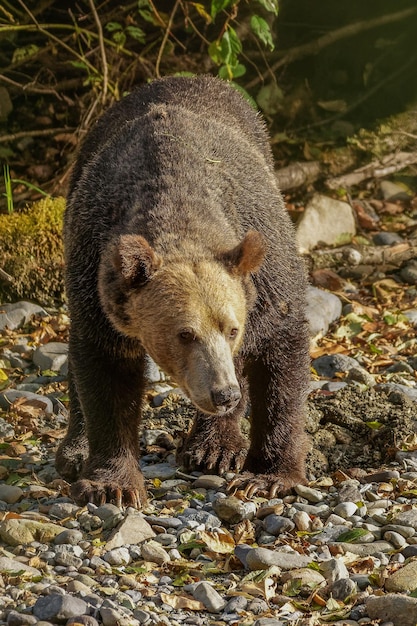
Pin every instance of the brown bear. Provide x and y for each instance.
(178, 245)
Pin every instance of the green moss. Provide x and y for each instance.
(32, 253)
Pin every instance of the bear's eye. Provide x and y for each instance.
(233, 333)
(187, 336)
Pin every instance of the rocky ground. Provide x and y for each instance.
(341, 550)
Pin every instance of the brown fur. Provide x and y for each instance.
(178, 245)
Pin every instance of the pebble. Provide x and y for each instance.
(58, 607)
(310, 494)
(404, 579)
(154, 552)
(399, 609)
(133, 529)
(230, 509)
(212, 600)
(262, 558)
(117, 562)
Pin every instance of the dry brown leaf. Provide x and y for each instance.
(182, 602)
(220, 543)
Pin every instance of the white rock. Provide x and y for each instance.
(323, 308)
(324, 220)
(133, 529)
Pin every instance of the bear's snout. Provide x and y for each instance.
(225, 399)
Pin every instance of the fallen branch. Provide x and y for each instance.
(298, 174)
(34, 133)
(355, 255)
(5, 276)
(377, 169)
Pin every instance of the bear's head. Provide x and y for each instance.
(188, 315)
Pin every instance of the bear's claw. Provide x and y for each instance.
(84, 491)
(269, 485)
(215, 458)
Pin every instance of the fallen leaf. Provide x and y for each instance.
(182, 602)
(221, 543)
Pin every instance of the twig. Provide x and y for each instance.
(58, 40)
(102, 50)
(29, 88)
(5, 276)
(376, 169)
(165, 38)
(34, 133)
(314, 47)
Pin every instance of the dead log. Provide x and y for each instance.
(394, 255)
(298, 174)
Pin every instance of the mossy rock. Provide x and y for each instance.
(32, 253)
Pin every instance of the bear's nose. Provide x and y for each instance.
(226, 399)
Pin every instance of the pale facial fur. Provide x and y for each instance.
(191, 319)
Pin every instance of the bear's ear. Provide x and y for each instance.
(135, 259)
(247, 256)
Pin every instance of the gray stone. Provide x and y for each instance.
(154, 552)
(6, 429)
(408, 273)
(400, 609)
(62, 510)
(345, 509)
(70, 536)
(15, 532)
(276, 524)
(82, 620)
(18, 314)
(114, 617)
(334, 569)
(230, 509)
(323, 308)
(20, 619)
(58, 608)
(10, 395)
(406, 518)
(324, 220)
(163, 471)
(117, 557)
(236, 604)
(212, 600)
(383, 476)
(343, 588)
(332, 364)
(132, 530)
(209, 481)
(393, 191)
(404, 579)
(310, 494)
(308, 577)
(328, 534)
(51, 356)
(10, 493)
(363, 549)
(241, 551)
(268, 621)
(209, 520)
(262, 558)
(386, 239)
(348, 491)
(10, 565)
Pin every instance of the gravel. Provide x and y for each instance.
(340, 550)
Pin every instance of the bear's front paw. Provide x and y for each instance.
(100, 488)
(267, 485)
(70, 458)
(214, 455)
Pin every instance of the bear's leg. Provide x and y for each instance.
(110, 393)
(215, 442)
(73, 450)
(278, 385)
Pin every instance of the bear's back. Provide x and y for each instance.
(206, 95)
